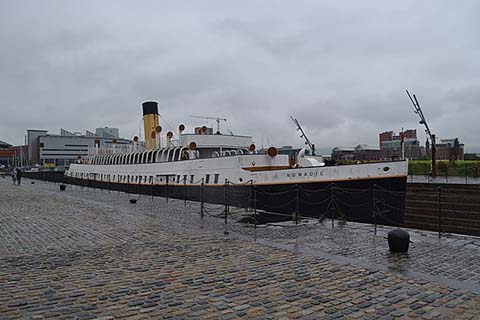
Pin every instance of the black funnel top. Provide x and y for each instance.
(150, 107)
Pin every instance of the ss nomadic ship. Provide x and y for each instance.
(209, 164)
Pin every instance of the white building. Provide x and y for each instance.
(64, 148)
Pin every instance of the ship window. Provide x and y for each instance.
(151, 179)
(145, 180)
(185, 179)
(191, 178)
(178, 178)
(215, 179)
(207, 178)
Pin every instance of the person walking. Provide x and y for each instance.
(14, 175)
(19, 176)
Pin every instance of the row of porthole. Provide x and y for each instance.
(146, 179)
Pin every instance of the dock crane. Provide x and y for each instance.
(211, 118)
(303, 135)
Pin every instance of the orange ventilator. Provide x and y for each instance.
(272, 152)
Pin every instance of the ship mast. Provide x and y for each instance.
(303, 135)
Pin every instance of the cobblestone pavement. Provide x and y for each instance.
(88, 254)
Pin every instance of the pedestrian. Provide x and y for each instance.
(14, 175)
(19, 176)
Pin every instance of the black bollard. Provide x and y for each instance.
(398, 240)
(62, 187)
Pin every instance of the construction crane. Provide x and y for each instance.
(303, 135)
(212, 118)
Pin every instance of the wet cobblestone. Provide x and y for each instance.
(88, 254)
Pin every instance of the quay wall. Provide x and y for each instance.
(448, 208)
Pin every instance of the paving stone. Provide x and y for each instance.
(87, 253)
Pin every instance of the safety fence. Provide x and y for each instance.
(454, 173)
(442, 208)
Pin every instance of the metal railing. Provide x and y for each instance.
(445, 209)
(466, 173)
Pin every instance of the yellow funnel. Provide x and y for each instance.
(150, 123)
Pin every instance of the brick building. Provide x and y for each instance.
(450, 149)
(361, 152)
(367, 153)
(343, 153)
(391, 145)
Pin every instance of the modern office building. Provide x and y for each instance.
(107, 132)
(64, 148)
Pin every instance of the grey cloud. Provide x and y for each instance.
(340, 67)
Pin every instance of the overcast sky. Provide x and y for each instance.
(340, 67)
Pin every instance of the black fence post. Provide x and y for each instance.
(446, 173)
(166, 189)
(374, 209)
(228, 196)
(255, 206)
(225, 200)
(466, 173)
(202, 204)
(296, 205)
(109, 184)
(439, 212)
(251, 195)
(153, 187)
(185, 191)
(333, 205)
